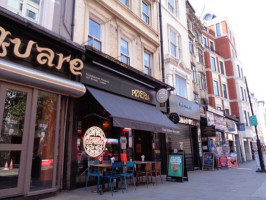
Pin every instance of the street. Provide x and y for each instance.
(242, 183)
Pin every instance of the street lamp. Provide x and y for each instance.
(262, 167)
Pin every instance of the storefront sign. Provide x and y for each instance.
(208, 131)
(216, 120)
(230, 125)
(208, 160)
(45, 56)
(98, 77)
(94, 141)
(162, 95)
(175, 165)
(183, 107)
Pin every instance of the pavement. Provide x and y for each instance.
(242, 183)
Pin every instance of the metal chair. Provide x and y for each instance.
(129, 172)
(93, 174)
(116, 173)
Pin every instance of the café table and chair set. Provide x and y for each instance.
(111, 172)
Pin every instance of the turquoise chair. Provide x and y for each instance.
(115, 173)
(130, 171)
(93, 174)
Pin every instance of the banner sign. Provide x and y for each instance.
(241, 126)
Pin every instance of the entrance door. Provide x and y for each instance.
(15, 107)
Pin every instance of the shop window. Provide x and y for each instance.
(44, 142)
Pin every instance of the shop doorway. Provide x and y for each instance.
(143, 145)
(15, 107)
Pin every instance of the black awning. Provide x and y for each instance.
(127, 113)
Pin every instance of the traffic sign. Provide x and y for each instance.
(253, 120)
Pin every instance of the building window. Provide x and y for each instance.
(181, 86)
(224, 91)
(125, 2)
(205, 42)
(26, 8)
(246, 118)
(238, 71)
(196, 97)
(202, 81)
(219, 108)
(213, 63)
(145, 12)
(124, 52)
(212, 46)
(218, 30)
(200, 54)
(94, 37)
(174, 44)
(147, 63)
(194, 73)
(245, 93)
(227, 111)
(221, 67)
(191, 46)
(242, 93)
(216, 88)
(172, 7)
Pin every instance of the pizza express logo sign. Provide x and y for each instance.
(141, 95)
(94, 141)
(45, 56)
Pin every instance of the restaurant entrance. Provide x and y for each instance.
(143, 145)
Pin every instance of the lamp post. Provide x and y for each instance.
(262, 167)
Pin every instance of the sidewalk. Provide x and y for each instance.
(243, 183)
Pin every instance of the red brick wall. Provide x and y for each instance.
(234, 108)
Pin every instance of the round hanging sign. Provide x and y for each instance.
(94, 141)
(162, 95)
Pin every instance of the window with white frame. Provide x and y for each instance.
(205, 44)
(238, 71)
(124, 52)
(245, 93)
(26, 8)
(224, 91)
(212, 46)
(191, 46)
(246, 118)
(172, 6)
(203, 81)
(181, 86)
(200, 55)
(216, 88)
(196, 97)
(147, 63)
(227, 111)
(222, 67)
(174, 44)
(218, 29)
(242, 93)
(145, 12)
(125, 2)
(194, 73)
(219, 108)
(213, 63)
(94, 37)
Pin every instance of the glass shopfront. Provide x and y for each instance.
(28, 139)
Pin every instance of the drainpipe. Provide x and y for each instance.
(161, 40)
(72, 21)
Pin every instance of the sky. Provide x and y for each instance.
(247, 21)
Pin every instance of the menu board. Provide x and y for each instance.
(208, 160)
(176, 165)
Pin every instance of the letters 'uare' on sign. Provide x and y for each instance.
(208, 160)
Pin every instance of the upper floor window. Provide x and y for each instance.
(216, 88)
(227, 111)
(26, 8)
(147, 63)
(213, 63)
(194, 73)
(246, 118)
(125, 2)
(145, 12)
(94, 37)
(221, 67)
(172, 6)
(224, 91)
(200, 54)
(242, 93)
(191, 46)
(196, 97)
(218, 29)
(202, 81)
(181, 86)
(205, 42)
(174, 44)
(124, 50)
(212, 46)
(245, 93)
(238, 71)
